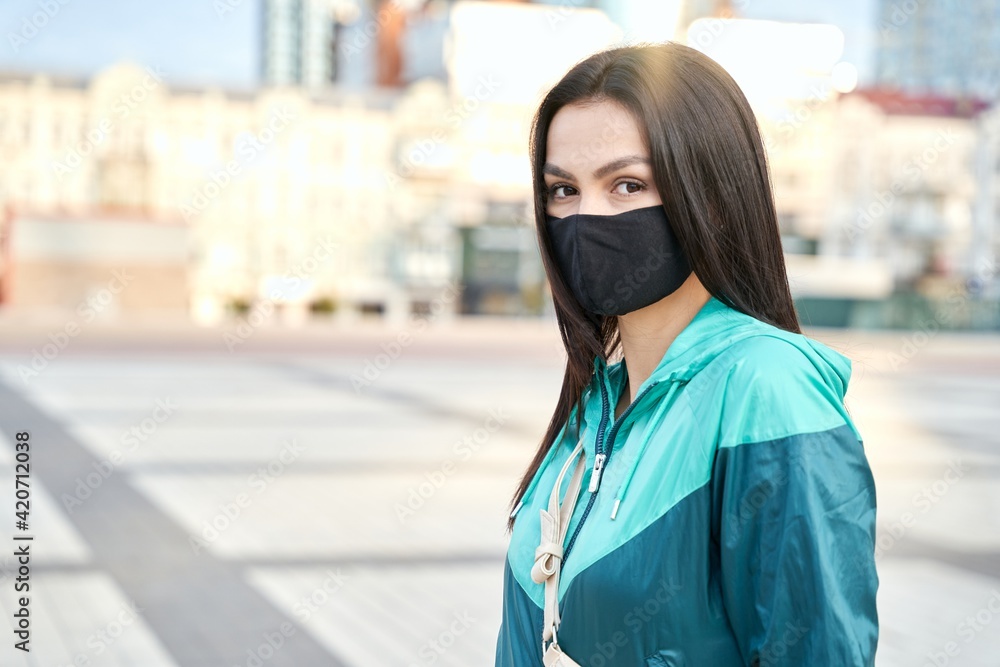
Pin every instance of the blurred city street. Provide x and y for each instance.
(336, 495)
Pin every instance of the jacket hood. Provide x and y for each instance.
(715, 328)
(712, 331)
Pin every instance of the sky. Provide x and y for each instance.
(190, 40)
(216, 42)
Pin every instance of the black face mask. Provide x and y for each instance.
(615, 264)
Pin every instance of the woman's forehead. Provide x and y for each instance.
(581, 134)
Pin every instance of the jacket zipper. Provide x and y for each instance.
(601, 457)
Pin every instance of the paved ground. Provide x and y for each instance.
(196, 505)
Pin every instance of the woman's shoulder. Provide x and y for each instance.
(772, 352)
(781, 383)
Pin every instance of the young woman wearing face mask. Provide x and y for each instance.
(701, 496)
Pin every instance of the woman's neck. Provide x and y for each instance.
(648, 332)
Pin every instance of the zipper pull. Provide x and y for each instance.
(595, 476)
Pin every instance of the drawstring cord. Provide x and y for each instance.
(664, 405)
(554, 524)
(647, 435)
(548, 456)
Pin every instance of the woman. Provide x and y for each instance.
(726, 509)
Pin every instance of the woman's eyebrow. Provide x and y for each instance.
(620, 163)
(550, 168)
(600, 172)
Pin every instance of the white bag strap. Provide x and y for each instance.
(548, 555)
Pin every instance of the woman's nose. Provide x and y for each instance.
(594, 205)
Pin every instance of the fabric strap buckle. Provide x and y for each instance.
(548, 555)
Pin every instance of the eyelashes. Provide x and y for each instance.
(550, 192)
(642, 186)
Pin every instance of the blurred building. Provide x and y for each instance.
(358, 43)
(985, 256)
(316, 43)
(461, 190)
(415, 198)
(100, 266)
(879, 193)
(394, 43)
(944, 48)
(489, 107)
(790, 74)
(886, 198)
(905, 182)
(894, 196)
(382, 199)
(283, 194)
(298, 43)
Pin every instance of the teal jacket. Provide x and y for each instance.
(734, 519)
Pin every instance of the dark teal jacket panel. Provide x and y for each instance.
(796, 536)
(770, 563)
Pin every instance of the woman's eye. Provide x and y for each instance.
(628, 187)
(560, 190)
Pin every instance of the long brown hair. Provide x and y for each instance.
(710, 169)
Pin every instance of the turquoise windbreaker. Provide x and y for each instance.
(734, 519)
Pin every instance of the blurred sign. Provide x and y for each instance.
(285, 288)
(776, 63)
(838, 277)
(511, 53)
